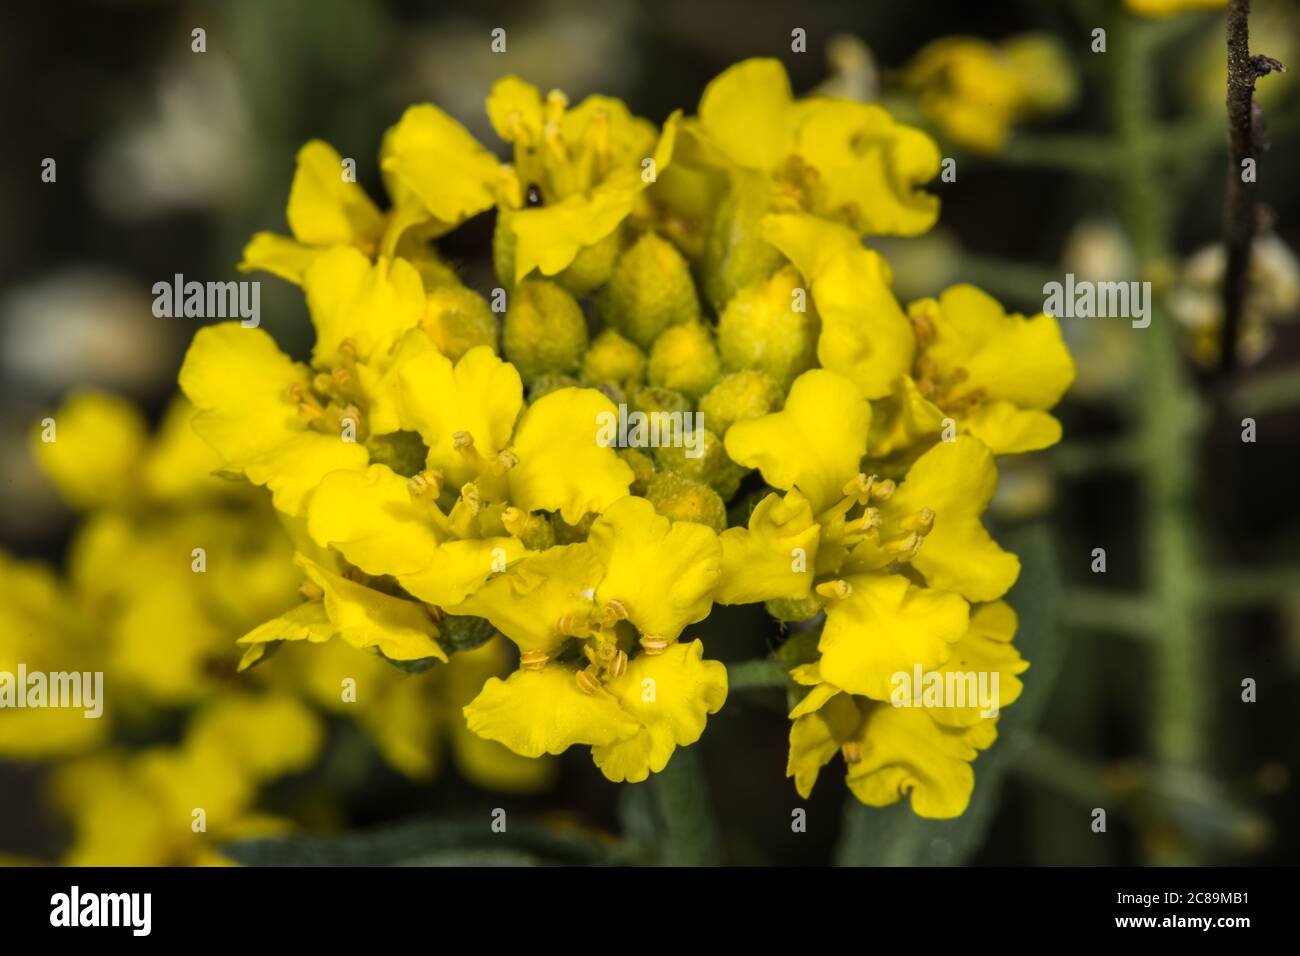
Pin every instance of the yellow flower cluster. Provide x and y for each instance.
(446, 471)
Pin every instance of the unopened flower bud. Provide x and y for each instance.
(738, 397)
(545, 330)
(650, 290)
(458, 319)
(761, 328)
(685, 359)
(613, 358)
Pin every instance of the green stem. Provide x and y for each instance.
(750, 675)
(1167, 417)
(1270, 392)
(1241, 588)
(1111, 612)
(686, 812)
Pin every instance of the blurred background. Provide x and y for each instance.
(168, 160)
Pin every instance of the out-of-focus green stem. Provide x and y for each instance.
(1127, 614)
(1270, 392)
(749, 675)
(1167, 418)
(1246, 587)
(685, 811)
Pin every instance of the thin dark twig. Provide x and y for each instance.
(1239, 213)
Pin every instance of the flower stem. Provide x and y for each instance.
(685, 811)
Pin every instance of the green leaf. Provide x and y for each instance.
(894, 835)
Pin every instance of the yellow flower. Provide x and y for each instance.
(976, 91)
(497, 462)
(899, 748)
(42, 628)
(841, 159)
(994, 375)
(144, 809)
(578, 614)
(1169, 8)
(577, 173)
(435, 172)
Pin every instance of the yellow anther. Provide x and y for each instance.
(311, 590)
(588, 682)
(905, 547)
(883, 490)
(860, 488)
(348, 349)
(852, 751)
(341, 376)
(556, 104)
(427, 483)
(653, 644)
(614, 612)
(835, 590)
(469, 497)
(309, 411)
(870, 519)
(297, 392)
(508, 459)
(569, 624)
(618, 666)
(322, 382)
(462, 440)
(533, 660)
(922, 522)
(515, 520)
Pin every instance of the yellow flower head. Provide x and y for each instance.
(437, 174)
(976, 91)
(597, 625)
(840, 159)
(577, 173)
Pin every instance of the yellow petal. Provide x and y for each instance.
(239, 382)
(515, 109)
(562, 466)
(179, 464)
(369, 518)
(869, 168)
(325, 209)
(540, 712)
(816, 737)
(528, 601)
(481, 396)
(662, 572)
(306, 622)
(1023, 361)
(774, 557)
(431, 157)
(956, 480)
(278, 255)
(97, 448)
(456, 569)
(370, 306)
(745, 112)
(905, 417)
(549, 238)
(865, 335)
(1008, 430)
(381, 381)
(268, 735)
(888, 626)
(985, 649)
(814, 444)
(364, 617)
(670, 695)
(905, 752)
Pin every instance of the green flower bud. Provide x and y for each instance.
(794, 609)
(735, 253)
(738, 397)
(652, 398)
(760, 329)
(650, 289)
(503, 248)
(545, 330)
(643, 468)
(550, 382)
(566, 533)
(464, 633)
(592, 266)
(612, 358)
(684, 359)
(404, 452)
(706, 463)
(458, 319)
(680, 499)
